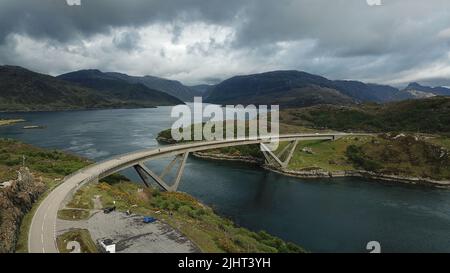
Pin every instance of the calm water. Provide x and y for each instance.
(338, 215)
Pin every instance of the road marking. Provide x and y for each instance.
(42, 229)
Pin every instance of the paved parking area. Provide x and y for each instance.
(132, 235)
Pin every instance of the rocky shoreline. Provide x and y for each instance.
(225, 157)
(319, 173)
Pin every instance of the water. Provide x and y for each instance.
(323, 215)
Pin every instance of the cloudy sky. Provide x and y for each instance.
(207, 41)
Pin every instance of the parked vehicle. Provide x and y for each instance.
(109, 209)
(107, 246)
(149, 220)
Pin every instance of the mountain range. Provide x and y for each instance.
(24, 90)
(300, 89)
(171, 87)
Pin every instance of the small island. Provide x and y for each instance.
(29, 127)
(5, 122)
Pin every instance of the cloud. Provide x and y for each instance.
(128, 40)
(199, 41)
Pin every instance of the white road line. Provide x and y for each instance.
(42, 229)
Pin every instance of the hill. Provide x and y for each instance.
(299, 89)
(111, 86)
(25, 90)
(171, 87)
(431, 115)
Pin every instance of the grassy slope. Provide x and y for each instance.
(209, 231)
(327, 155)
(425, 116)
(52, 166)
(427, 158)
(409, 156)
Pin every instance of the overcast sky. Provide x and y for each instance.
(207, 41)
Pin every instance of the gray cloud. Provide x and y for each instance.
(127, 41)
(192, 40)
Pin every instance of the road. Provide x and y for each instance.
(42, 233)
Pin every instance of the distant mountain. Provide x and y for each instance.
(364, 92)
(174, 88)
(299, 89)
(202, 89)
(111, 86)
(420, 91)
(24, 90)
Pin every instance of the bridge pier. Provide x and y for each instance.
(269, 155)
(145, 173)
(291, 153)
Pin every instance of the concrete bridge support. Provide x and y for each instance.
(145, 173)
(272, 158)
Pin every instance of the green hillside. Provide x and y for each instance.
(24, 90)
(426, 116)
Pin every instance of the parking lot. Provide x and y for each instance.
(132, 235)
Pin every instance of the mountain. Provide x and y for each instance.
(364, 92)
(173, 88)
(202, 90)
(420, 91)
(113, 87)
(25, 90)
(298, 89)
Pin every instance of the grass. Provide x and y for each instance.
(82, 236)
(73, 214)
(404, 156)
(209, 231)
(440, 141)
(48, 163)
(326, 155)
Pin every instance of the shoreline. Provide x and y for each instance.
(315, 174)
(81, 109)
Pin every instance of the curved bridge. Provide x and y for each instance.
(42, 233)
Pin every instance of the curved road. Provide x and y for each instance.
(42, 233)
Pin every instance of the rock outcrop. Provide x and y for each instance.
(15, 201)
